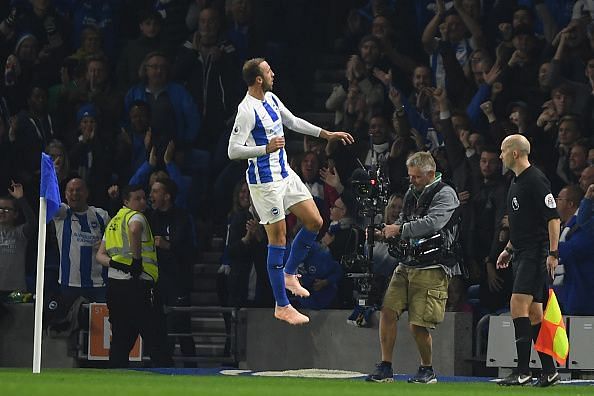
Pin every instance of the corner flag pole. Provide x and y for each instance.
(49, 203)
(39, 286)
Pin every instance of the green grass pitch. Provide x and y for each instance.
(91, 382)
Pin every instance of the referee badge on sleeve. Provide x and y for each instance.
(515, 203)
(550, 201)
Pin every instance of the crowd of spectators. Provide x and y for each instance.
(119, 93)
(138, 91)
(455, 79)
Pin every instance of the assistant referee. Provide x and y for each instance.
(534, 235)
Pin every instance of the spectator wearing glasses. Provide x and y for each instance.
(321, 270)
(339, 238)
(149, 40)
(165, 98)
(172, 109)
(575, 282)
(13, 239)
(342, 239)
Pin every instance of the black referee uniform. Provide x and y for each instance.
(530, 206)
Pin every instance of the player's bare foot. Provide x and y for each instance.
(290, 315)
(292, 284)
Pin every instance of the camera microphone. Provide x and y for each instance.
(360, 163)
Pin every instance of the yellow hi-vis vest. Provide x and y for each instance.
(117, 243)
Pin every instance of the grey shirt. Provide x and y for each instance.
(13, 246)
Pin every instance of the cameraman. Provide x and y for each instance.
(416, 286)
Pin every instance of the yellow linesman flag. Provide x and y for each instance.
(552, 338)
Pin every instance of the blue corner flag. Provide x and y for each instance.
(49, 187)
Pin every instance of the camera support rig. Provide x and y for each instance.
(371, 188)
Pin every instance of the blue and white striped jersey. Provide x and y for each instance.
(256, 123)
(78, 236)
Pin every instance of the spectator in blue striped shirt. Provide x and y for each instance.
(79, 229)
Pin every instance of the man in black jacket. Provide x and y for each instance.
(208, 66)
(488, 208)
(174, 239)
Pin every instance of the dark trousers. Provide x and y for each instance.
(177, 322)
(181, 322)
(132, 311)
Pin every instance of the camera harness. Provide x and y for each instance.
(432, 249)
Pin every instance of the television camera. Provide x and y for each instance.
(371, 190)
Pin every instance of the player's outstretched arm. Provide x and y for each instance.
(344, 137)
